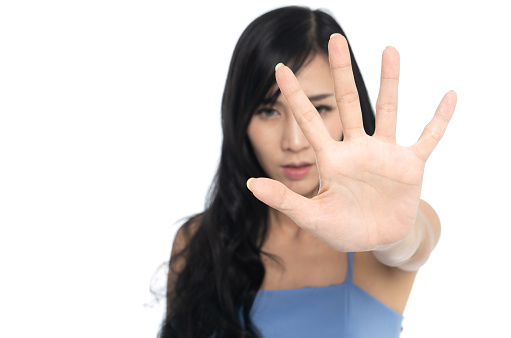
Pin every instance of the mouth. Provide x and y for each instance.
(297, 170)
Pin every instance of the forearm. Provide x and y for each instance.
(413, 251)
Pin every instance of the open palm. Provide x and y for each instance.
(369, 185)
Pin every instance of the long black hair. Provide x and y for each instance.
(214, 292)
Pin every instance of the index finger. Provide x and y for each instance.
(305, 113)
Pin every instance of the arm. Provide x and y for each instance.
(413, 251)
(370, 186)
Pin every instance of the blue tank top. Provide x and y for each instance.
(341, 311)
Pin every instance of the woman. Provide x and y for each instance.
(243, 269)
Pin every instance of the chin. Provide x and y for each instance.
(308, 191)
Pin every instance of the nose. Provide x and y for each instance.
(293, 138)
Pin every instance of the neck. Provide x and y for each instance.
(283, 226)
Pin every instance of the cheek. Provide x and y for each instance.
(258, 139)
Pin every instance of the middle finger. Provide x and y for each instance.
(346, 93)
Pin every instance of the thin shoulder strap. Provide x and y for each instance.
(349, 275)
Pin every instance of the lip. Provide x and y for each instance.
(297, 170)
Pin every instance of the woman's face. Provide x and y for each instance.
(278, 142)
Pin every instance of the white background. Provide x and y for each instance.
(110, 134)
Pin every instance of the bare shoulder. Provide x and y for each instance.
(391, 286)
(184, 235)
(178, 253)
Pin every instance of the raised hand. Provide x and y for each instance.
(369, 185)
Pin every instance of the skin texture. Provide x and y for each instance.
(277, 139)
(362, 194)
(367, 196)
(370, 187)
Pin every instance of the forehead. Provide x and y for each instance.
(315, 77)
(316, 72)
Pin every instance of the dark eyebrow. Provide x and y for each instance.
(320, 97)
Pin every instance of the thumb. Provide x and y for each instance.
(278, 196)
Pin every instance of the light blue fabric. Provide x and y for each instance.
(342, 311)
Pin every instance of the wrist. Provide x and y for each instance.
(400, 252)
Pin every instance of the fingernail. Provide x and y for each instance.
(248, 182)
(280, 64)
(334, 34)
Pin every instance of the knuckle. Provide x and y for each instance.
(293, 93)
(341, 66)
(386, 106)
(390, 78)
(348, 98)
(442, 116)
(309, 116)
(435, 133)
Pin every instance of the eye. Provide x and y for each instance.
(267, 112)
(323, 109)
